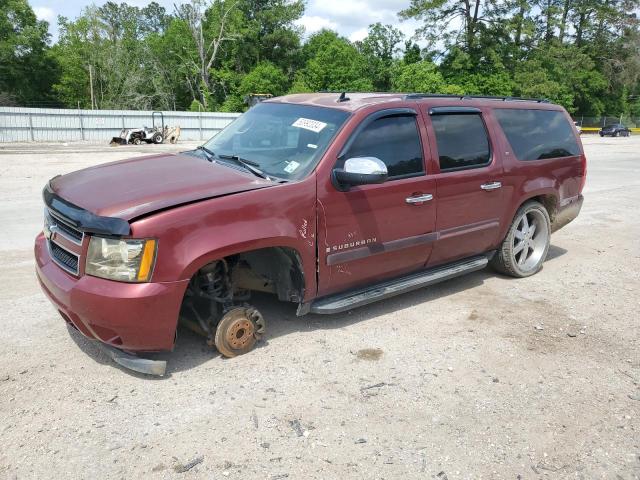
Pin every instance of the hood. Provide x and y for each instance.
(131, 188)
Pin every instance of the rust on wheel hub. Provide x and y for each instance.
(240, 333)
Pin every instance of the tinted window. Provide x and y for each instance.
(538, 134)
(462, 141)
(395, 141)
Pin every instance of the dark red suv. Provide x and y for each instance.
(329, 201)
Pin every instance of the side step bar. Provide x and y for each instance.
(357, 298)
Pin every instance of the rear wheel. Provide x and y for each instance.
(238, 331)
(526, 245)
(157, 138)
(137, 141)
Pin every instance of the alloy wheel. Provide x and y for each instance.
(530, 240)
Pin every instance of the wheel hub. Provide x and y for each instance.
(240, 333)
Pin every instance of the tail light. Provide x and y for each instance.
(584, 172)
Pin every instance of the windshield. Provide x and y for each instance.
(283, 140)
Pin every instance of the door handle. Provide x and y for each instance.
(491, 185)
(419, 199)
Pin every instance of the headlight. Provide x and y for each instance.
(123, 260)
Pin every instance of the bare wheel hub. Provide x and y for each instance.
(238, 331)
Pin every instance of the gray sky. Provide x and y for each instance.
(348, 17)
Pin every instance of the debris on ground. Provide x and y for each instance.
(378, 385)
(295, 425)
(369, 354)
(188, 466)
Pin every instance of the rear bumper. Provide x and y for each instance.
(567, 212)
(128, 316)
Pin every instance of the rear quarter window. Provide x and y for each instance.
(538, 134)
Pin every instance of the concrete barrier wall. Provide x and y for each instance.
(19, 124)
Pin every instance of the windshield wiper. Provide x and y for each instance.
(248, 164)
(209, 153)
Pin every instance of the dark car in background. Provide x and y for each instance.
(615, 130)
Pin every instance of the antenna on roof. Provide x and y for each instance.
(343, 97)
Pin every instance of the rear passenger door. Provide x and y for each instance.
(468, 174)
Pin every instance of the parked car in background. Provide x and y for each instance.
(615, 130)
(329, 202)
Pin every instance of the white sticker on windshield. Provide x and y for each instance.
(308, 124)
(291, 167)
(311, 145)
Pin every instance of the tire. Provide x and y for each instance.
(616, 133)
(137, 141)
(519, 241)
(238, 331)
(157, 138)
(601, 135)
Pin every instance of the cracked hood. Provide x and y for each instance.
(131, 188)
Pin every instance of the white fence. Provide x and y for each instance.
(66, 125)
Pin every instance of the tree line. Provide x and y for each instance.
(211, 54)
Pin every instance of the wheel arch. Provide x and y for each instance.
(548, 197)
(281, 263)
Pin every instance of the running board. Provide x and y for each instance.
(358, 298)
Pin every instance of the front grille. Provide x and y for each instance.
(65, 259)
(58, 223)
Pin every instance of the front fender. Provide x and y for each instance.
(194, 235)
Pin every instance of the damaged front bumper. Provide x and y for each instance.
(135, 363)
(124, 317)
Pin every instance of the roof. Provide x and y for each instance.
(355, 101)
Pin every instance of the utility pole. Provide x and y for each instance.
(91, 84)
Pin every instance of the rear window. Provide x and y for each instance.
(538, 134)
(462, 141)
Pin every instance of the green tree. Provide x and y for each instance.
(412, 52)
(565, 75)
(212, 27)
(449, 20)
(334, 64)
(105, 51)
(422, 77)
(380, 49)
(269, 34)
(264, 78)
(26, 70)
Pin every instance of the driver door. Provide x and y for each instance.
(374, 232)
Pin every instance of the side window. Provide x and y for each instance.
(537, 134)
(462, 141)
(395, 141)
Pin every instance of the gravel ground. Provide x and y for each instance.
(479, 377)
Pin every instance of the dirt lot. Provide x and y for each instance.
(479, 377)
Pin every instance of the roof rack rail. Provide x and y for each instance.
(413, 96)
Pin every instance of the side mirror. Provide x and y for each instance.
(359, 171)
